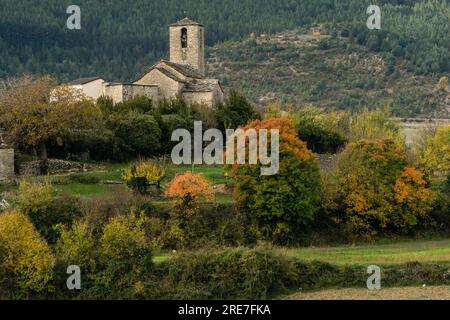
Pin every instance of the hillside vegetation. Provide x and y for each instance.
(328, 71)
(119, 39)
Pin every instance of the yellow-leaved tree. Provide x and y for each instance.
(35, 111)
(139, 176)
(26, 260)
(435, 155)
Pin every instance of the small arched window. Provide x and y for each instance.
(184, 38)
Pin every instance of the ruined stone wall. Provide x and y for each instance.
(6, 164)
(194, 54)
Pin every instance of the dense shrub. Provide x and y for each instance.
(286, 202)
(26, 261)
(84, 179)
(226, 274)
(169, 123)
(76, 246)
(124, 258)
(45, 211)
(140, 104)
(236, 111)
(376, 124)
(116, 264)
(134, 134)
(212, 226)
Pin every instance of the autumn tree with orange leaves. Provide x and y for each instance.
(375, 190)
(187, 190)
(282, 204)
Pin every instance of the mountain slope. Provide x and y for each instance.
(119, 39)
(297, 68)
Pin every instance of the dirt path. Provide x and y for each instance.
(405, 293)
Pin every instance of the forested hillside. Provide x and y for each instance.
(120, 38)
(294, 68)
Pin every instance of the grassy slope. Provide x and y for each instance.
(291, 67)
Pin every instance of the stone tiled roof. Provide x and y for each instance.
(194, 81)
(185, 22)
(201, 85)
(185, 70)
(83, 80)
(170, 74)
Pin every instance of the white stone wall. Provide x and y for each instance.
(92, 89)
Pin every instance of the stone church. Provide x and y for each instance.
(183, 75)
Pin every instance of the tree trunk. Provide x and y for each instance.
(43, 151)
(44, 159)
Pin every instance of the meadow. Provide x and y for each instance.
(105, 179)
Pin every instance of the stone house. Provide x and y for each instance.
(92, 87)
(183, 75)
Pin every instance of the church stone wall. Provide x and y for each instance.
(124, 92)
(6, 164)
(151, 92)
(206, 98)
(168, 88)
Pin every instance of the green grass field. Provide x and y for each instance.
(401, 252)
(113, 172)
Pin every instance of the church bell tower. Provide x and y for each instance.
(187, 44)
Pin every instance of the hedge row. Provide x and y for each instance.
(260, 274)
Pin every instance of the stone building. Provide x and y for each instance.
(92, 87)
(183, 75)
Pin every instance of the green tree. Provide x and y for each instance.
(283, 204)
(124, 258)
(236, 111)
(134, 134)
(322, 132)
